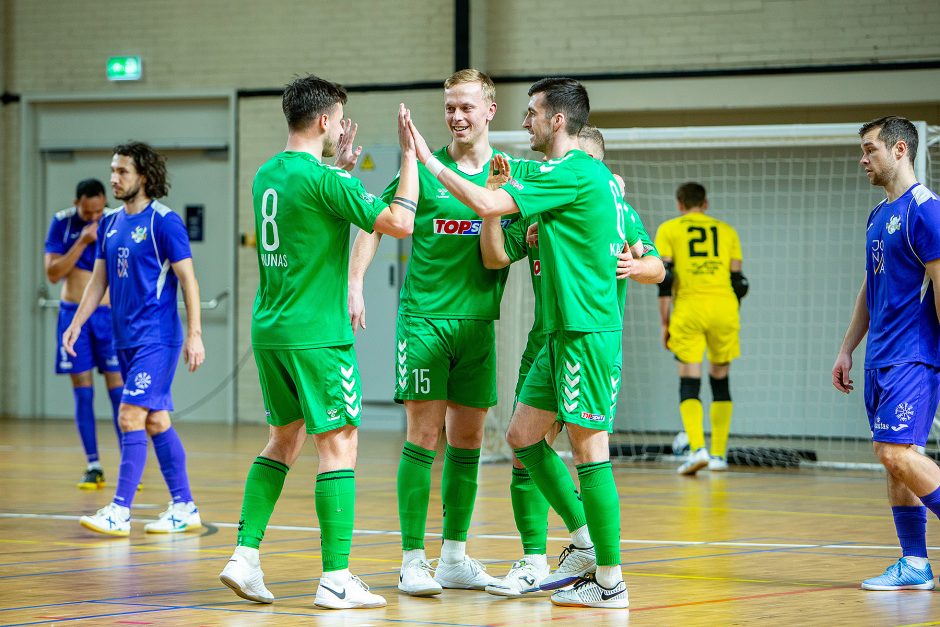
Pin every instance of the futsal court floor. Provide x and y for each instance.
(745, 547)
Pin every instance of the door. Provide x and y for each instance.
(200, 180)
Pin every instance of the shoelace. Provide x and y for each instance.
(585, 580)
(426, 566)
(359, 582)
(565, 552)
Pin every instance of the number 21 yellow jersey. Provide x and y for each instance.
(701, 249)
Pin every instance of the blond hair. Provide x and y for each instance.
(473, 76)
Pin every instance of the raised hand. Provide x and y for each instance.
(499, 172)
(346, 155)
(405, 139)
(421, 146)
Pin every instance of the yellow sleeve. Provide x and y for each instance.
(735, 245)
(663, 241)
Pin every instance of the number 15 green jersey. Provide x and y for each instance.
(302, 213)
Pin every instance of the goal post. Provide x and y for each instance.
(799, 201)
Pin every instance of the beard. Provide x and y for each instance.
(329, 147)
(130, 194)
(541, 142)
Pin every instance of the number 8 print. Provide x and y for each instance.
(268, 219)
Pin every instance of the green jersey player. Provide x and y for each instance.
(583, 225)
(501, 247)
(445, 366)
(302, 340)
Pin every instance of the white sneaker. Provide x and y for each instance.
(586, 592)
(415, 579)
(177, 518)
(244, 576)
(717, 464)
(112, 520)
(695, 462)
(355, 594)
(523, 577)
(573, 563)
(467, 574)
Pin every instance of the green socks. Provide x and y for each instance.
(414, 492)
(553, 480)
(459, 490)
(336, 505)
(602, 506)
(530, 509)
(262, 489)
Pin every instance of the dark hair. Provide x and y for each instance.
(309, 97)
(593, 135)
(568, 97)
(691, 195)
(89, 188)
(150, 164)
(893, 130)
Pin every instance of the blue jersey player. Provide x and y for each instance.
(897, 307)
(142, 253)
(69, 257)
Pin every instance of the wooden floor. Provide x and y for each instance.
(780, 548)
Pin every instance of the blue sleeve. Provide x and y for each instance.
(925, 231)
(55, 236)
(103, 225)
(173, 239)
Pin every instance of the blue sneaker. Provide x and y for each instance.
(901, 576)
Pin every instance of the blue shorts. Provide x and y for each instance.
(901, 401)
(148, 374)
(94, 347)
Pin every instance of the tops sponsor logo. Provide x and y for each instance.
(585, 415)
(537, 267)
(445, 226)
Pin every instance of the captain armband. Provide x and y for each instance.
(739, 284)
(665, 286)
(404, 203)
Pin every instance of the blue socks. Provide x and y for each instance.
(133, 458)
(932, 502)
(116, 394)
(911, 524)
(172, 460)
(85, 421)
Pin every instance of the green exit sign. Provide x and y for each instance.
(124, 69)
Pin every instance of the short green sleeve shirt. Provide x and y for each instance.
(303, 209)
(446, 277)
(583, 225)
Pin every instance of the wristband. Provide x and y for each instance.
(434, 165)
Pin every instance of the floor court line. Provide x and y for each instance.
(389, 532)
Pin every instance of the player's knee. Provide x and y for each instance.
(721, 391)
(890, 455)
(515, 438)
(157, 422)
(689, 388)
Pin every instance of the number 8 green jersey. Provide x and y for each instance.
(583, 225)
(303, 209)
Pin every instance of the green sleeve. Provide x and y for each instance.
(543, 189)
(649, 248)
(514, 240)
(345, 196)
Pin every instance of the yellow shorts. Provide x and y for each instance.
(700, 323)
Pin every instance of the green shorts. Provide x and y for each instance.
(577, 375)
(320, 385)
(531, 351)
(438, 359)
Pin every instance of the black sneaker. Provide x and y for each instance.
(92, 480)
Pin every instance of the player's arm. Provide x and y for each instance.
(398, 219)
(858, 327)
(59, 265)
(484, 202)
(665, 299)
(647, 269)
(194, 353)
(91, 297)
(493, 244)
(933, 271)
(363, 251)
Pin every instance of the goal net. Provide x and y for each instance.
(799, 201)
